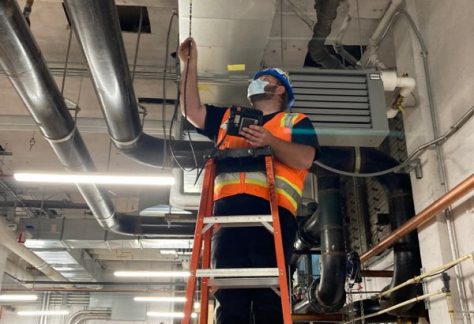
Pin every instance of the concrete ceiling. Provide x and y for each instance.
(284, 45)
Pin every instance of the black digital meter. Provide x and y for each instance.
(243, 117)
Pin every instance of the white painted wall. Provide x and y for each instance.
(448, 29)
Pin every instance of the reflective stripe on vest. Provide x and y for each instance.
(289, 182)
(283, 187)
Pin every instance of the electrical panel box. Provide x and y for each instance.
(346, 107)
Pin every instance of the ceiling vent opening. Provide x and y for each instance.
(129, 17)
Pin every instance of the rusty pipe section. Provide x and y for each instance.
(459, 191)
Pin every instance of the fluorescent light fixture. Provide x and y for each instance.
(164, 299)
(43, 312)
(152, 274)
(11, 298)
(94, 178)
(161, 210)
(158, 299)
(169, 314)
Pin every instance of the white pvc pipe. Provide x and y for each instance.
(417, 279)
(407, 302)
(385, 20)
(370, 55)
(391, 81)
(8, 240)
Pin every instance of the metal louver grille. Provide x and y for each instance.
(347, 108)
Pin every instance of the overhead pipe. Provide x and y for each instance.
(9, 241)
(391, 81)
(398, 189)
(368, 306)
(437, 270)
(405, 303)
(327, 294)
(407, 261)
(82, 315)
(97, 28)
(25, 67)
(326, 13)
(48, 204)
(338, 47)
(118, 291)
(461, 190)
(370, 57)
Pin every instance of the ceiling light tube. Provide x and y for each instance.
(11, 298)
(152, 274)
(158, 299)
(94, 178)
(169, 314)
(43, 312)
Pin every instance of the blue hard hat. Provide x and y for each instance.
(283, 78)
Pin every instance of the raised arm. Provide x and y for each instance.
(190, 101)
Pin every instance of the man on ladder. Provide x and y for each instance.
(293, 143)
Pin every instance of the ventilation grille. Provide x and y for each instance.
(347, 108)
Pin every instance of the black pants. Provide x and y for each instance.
(249, 247)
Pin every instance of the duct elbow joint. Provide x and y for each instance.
(318, 302)
(391, 81)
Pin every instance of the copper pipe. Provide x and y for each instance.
(376, 273)
(318, 317)
(424, 216)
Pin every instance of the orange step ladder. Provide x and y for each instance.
(241, 278)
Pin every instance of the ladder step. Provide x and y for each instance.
(264, 282)
(238, 220)
(237, 272)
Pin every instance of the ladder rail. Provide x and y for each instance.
(278, 240)
(205, 208)
(202, 243)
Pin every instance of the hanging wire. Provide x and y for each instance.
(413, 156)
(81, 81)
(360, 28)
(109, 155)
(66, 61)
(165, 71)
(185, 90)
(176, 107)
(137, 46)
(281, 34)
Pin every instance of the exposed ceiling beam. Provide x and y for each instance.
(85, 124)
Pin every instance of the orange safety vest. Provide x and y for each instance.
(289, 181)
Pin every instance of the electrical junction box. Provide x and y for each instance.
(346, 107)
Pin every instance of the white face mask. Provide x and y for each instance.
(256, 87)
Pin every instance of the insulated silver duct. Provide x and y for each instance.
(24, 65)
(97, 28)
